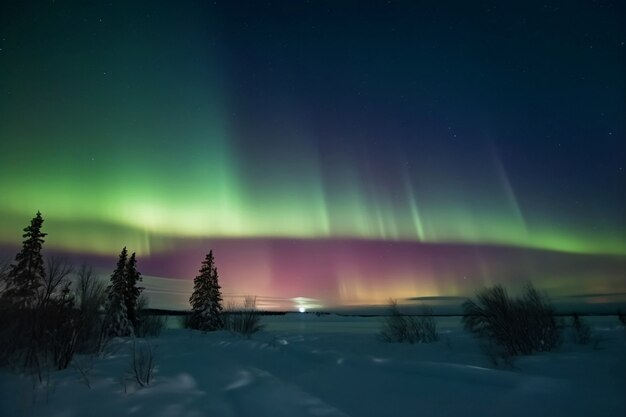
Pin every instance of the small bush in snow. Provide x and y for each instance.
(90, 299)
(581, 332)
(512, 326)
(428, 326)
(245, 320)
(185, 321)
(148, 325)
(142, 363)
(398, 328)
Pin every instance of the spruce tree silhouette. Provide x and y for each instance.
(117, 322)
(27, 275)
(206, 299)
(132, 292)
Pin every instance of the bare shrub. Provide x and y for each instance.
(90, 290)
(90, 296)
(62, 330)
(84, 371)
(41, 333)
(509, 326)
(55, 280)
(186, 321)
(5, 265)
(12, 333)
(581, 332)
(243, 319)
(428, 326)
(58, 322)
(398, 328)
(148, 325)
(142, 363)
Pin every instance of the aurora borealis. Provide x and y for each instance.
(344, 153)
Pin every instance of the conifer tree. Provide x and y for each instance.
(206, 299)
(132, 292)
(118, 278)
(117, 323)
(27, 275)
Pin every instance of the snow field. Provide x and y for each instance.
(304, 365)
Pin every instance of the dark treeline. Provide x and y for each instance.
(50, 310)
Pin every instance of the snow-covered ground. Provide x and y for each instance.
(303, 365)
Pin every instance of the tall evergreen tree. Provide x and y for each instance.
(118, 278)
(131, 293)
(116, 321)
(206, 299)
(26, 276)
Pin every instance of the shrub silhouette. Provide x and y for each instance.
(148, 324)
(90, 298)
(512, 326)
(581, 330)
(245, 320)
(398, 328)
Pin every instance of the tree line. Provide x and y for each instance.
(45, 318)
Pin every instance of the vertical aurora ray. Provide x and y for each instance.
(509, 192)
(415, 215)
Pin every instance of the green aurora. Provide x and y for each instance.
(155, 127)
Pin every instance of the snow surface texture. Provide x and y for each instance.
(303, 365)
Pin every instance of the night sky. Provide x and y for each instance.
(330, 153)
